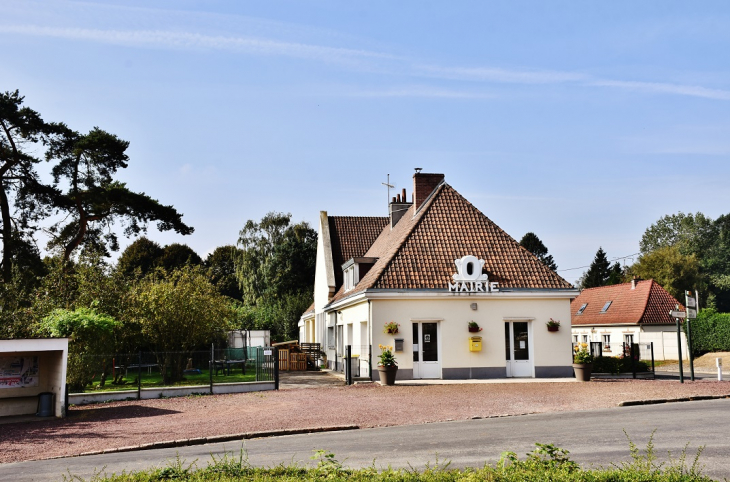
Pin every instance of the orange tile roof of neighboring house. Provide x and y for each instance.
(352, 236)
(647, 303)
(419, 252)
(309, 310)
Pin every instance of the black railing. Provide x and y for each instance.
(124, 371)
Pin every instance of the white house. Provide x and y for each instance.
(635, 312)
(434, 265)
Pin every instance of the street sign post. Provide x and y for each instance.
(691, 304)
(674, 314)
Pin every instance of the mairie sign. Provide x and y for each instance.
(469, 277)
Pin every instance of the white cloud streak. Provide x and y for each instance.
(194, 41)
(358, 58)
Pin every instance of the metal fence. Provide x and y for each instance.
(634, 358)
(125, 371)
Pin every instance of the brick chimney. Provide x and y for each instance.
(423, 186)
(398, 208)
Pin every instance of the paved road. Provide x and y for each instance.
(593, 437)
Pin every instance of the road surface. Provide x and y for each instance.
(594, 437)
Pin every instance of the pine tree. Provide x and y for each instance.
(533, 244)
(599, 271)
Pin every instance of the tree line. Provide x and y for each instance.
(162, 299)
(679, 251)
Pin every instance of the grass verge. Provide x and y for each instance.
(545, 463)
(154, 379)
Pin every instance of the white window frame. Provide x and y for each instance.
(606, 338)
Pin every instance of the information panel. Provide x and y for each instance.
(18, 371)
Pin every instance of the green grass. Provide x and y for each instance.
(155, 380)
(545, 463)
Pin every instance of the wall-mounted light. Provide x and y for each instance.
(474, 306)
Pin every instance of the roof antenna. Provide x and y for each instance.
(387, 199)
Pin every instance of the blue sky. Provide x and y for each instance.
(583, 122)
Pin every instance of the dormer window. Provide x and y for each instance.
(354, 270)
(606, 306)
(582, 309)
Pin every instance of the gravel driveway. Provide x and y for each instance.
(121, 424)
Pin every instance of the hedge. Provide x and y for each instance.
(710, 332)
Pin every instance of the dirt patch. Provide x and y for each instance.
(704, 364)
(121, 424)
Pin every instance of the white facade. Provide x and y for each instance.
(662, 336)
(442, 320)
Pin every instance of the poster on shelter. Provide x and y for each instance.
(18, 371)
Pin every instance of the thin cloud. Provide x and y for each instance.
(425, 92)
(664, 88)
(358, 58)
(485, 74)
(194, 41)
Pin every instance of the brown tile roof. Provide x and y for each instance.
(419, 252)
(647, 303)
(309, 310)
(351, 237)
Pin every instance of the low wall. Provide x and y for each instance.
(150, 393)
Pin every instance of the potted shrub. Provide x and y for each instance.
(474, 327)
(582, 362)
(387, 366)
(391, 328)
(553, 325)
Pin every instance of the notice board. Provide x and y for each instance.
(18, 371)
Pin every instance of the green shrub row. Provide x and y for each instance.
(710, 332)
(616, 365)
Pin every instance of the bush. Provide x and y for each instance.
(617, 364)
(90, 334)
(710, 332)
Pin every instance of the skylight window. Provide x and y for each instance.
(605, 307)
(582, 309)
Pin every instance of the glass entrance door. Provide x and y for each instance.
(426, 351)
(517, 342)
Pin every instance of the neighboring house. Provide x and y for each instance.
(435, 264)
(636, 312)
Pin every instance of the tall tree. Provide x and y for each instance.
(221, 264)
(601, 272)
(23, 198)
(93, 201)
(276, 257)
(674, 271)
(177, 314)
(699, 236)
(691, 233)
(141, 255)
(533, 244)
(275, 269)
(177, 255)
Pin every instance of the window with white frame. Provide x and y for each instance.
(629, 339)
(607, 342)
(585, 338)
(575, 338)
(350, 278)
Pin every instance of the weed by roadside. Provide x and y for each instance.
(545, 462)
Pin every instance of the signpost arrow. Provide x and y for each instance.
(677, 314)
